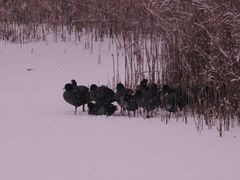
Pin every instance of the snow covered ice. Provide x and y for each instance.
(42, 139)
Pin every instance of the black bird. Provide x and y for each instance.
(143, 85)
(168, 98)
(75, 96)
(84, 91)
(98, 109)
(154, 99)
(142, 93)
(182, 98)
(101, 95)
(130, 103)
(120, 93)
(147, 97)
(173, 98)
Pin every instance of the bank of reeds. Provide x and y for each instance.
(188, 43)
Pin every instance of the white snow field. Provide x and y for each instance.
(42, 139)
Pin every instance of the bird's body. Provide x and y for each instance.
(142, 93)
(97, 109)
(147, 97)
(102, 95)
(173, 99)
(120, 95)
(130, 103)
(154, 98)
(76, 95)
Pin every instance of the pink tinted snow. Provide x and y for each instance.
(42, 139)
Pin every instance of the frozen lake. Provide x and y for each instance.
(42, 139)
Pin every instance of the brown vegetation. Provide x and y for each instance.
(188, 43)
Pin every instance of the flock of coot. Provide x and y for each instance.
(147, 97)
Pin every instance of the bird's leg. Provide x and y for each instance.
(122, 111)
(128, 113)
(140, 112)
(83, 108)
(75, 109)
(155, 111)
(168, 117)
(147, 116)
(151, 113)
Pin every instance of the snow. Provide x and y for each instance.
(42, 139)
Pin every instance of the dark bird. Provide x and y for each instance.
(182, 98)
(76, 96)
(173, 98)
(129, 103)
(154, 99)
(147, 96)
(98, 109)
(101, 95)
(84, 92)
(120, 94)
(142, 92)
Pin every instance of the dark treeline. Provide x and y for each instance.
(188, 43)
